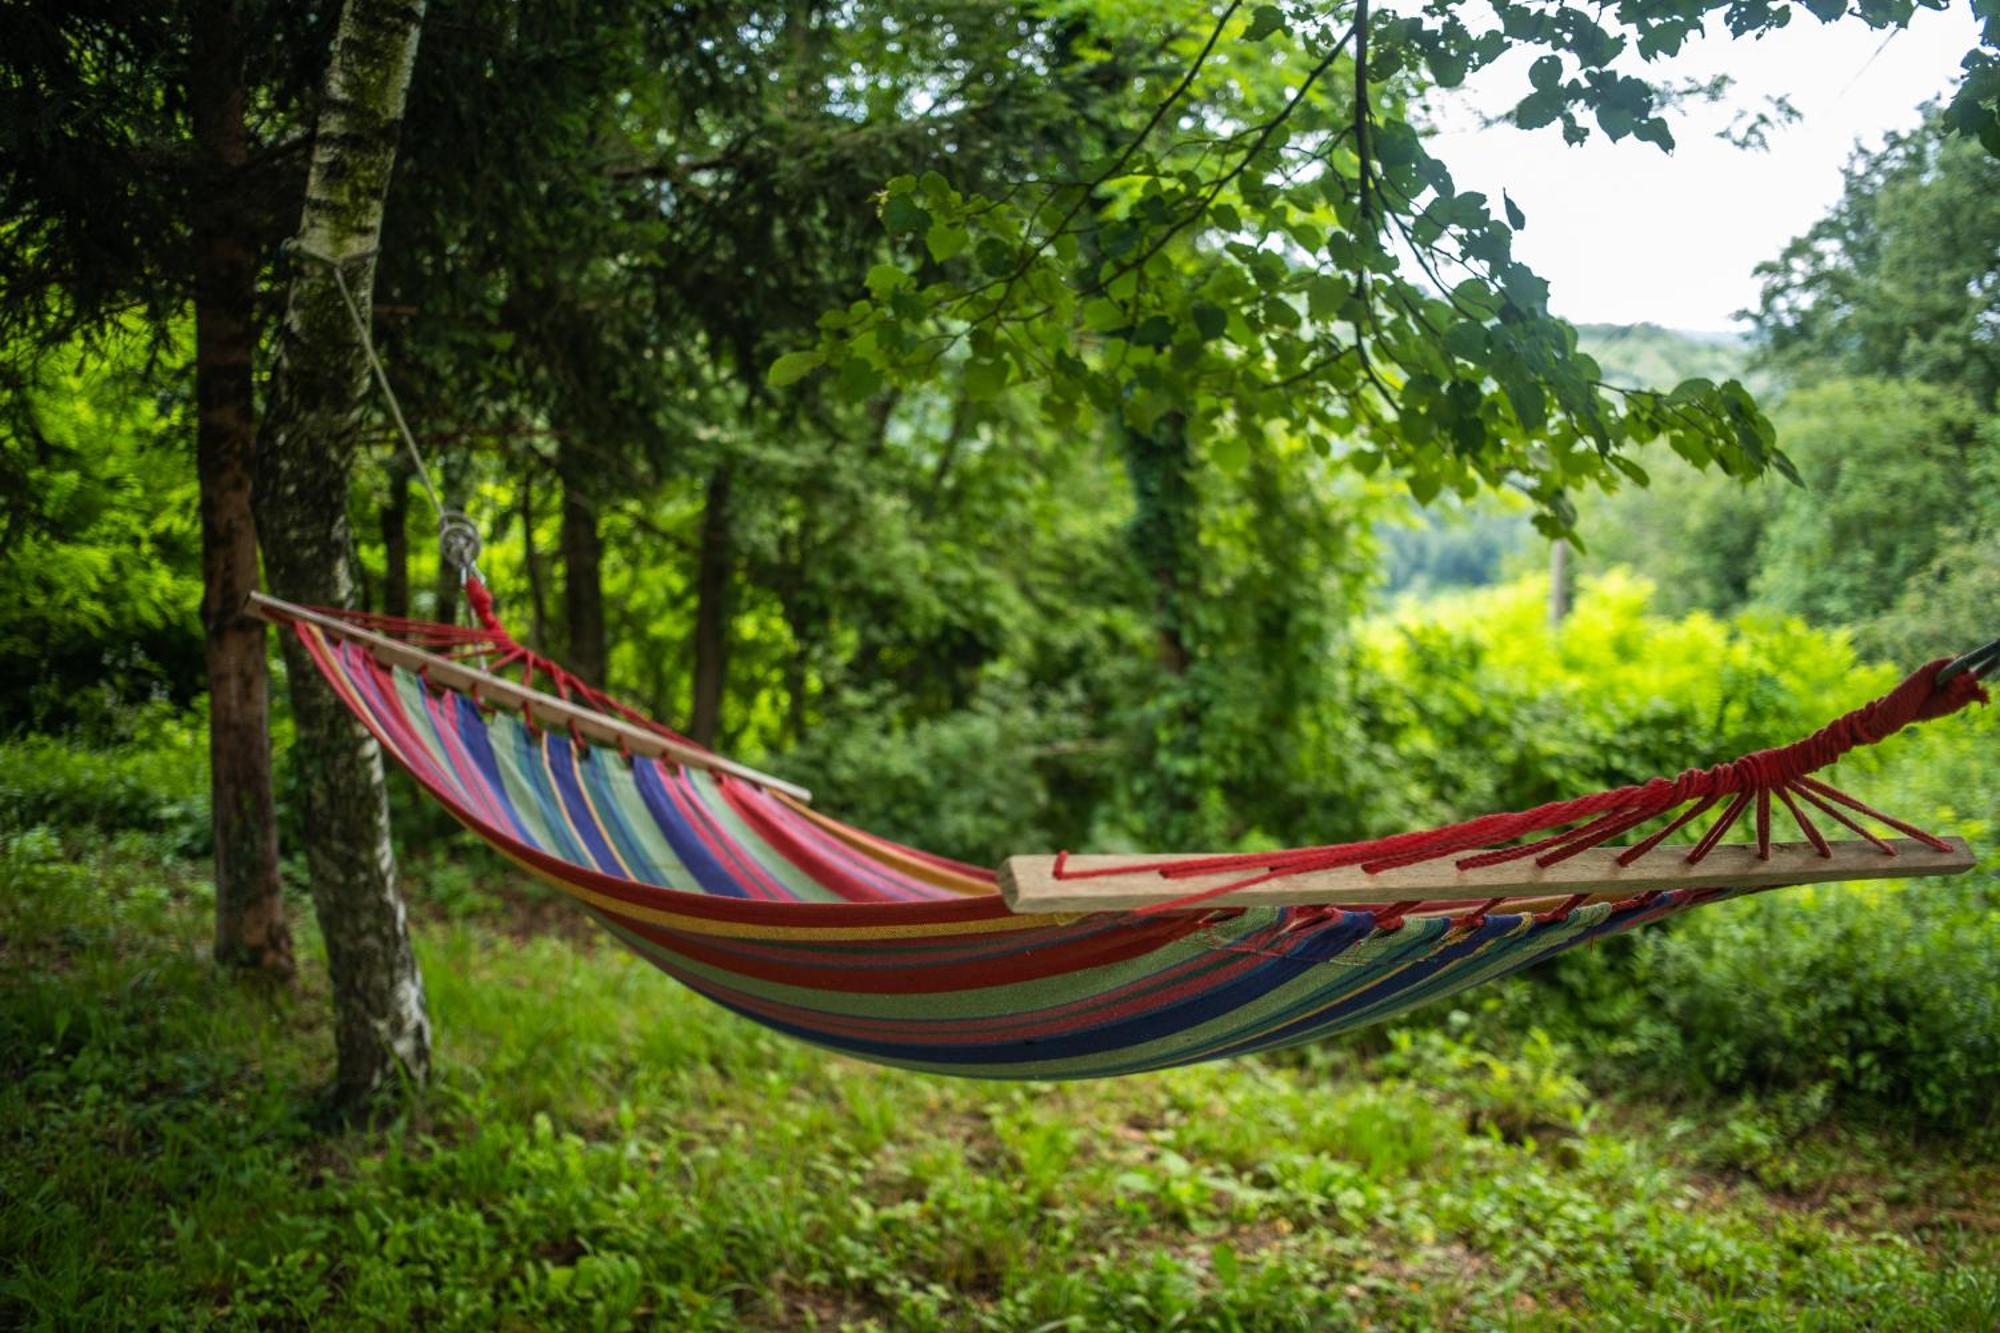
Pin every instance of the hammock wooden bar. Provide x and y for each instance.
(1030, 883)
(484, 685)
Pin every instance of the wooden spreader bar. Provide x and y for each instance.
(547, 708)
(1029, 883)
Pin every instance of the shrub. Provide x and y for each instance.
(1885, 995)
(155, 784)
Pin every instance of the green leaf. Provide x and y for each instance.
(1101, 316)
(985, 378)
(792, 367)
(1230, 453)
(1466, 340)
(1326, 294)
(901, 214)
(995, 255)
(1515, 217)
(884, 279)
(859, 381)
(1210, 320)
(1264, 21)
(946, 241)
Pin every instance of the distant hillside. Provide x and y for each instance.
(1650, 357)
(1461, 546)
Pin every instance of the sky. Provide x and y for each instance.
(1626, 234)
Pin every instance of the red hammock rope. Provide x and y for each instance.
(1747, 783)
(489, 638)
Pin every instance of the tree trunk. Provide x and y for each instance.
(713, 585)
(1165, 538)
(1165, 532)
(250, 927)
(381, 1030)
(396, 541)
(583, 582)
(531, 557)
(1558, 583)
(449, 584)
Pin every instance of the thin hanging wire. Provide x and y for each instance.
(458, 537)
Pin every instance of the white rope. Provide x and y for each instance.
(458, 537)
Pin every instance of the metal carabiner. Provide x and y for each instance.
(1981, 662)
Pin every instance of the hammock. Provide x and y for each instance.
(727, 879)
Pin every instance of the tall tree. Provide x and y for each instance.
(131, 180)
(250, 927)
(381, 1027)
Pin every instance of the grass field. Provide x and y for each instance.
(602, 1149)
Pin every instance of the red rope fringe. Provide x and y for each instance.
(1573, 826)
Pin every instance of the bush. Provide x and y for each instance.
(1887, 996)
(155, 784)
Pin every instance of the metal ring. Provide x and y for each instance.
(459, 543)
(1980, 662)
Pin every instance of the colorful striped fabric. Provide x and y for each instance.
(880, 951)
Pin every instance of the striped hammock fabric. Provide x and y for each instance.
(832, 935)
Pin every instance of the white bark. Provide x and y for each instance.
(381, 1027)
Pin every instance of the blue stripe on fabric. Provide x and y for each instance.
(709, 873)
(582, 819)
(1136, 1030)
(529, 748)
(470, 724)
(600, 781)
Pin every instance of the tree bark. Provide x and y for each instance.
(1558, 583)
(449, 585)
(1165, 538)
(381, 1029)
(583, 580)
(713, 585)
(250, 927)
(1165, 533)
(531, 557)
(396, 541)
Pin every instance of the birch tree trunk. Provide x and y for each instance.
(250, 928)
(381, 1029)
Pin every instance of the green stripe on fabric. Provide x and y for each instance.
(797, 882)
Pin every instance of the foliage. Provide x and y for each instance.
(603, 1149)
(1896, 281)
(98, 539)
(155, 784)
(1237, 259)
(1902, 494)
(1882, 997)
(1477, 705)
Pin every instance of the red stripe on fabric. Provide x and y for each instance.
(1032, 962)
(1188, 978)
(956, 910)
(816, 861)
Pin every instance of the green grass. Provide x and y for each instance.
(602, 1149)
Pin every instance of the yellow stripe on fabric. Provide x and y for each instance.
(698, 925)
(589, 806)
(890, 855)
